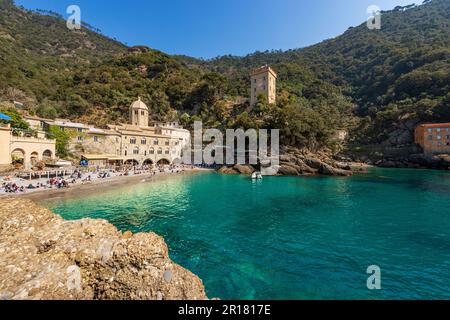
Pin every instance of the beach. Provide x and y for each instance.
(96, 185)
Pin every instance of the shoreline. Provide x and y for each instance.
(107, 185)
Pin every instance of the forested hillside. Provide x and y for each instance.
(376, 83)
(397, 76)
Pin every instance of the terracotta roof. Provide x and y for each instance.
(139, 104)
(264, 69)
(435, 125)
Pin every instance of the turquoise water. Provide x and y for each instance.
(294, 238)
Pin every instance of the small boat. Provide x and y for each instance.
(257, 176)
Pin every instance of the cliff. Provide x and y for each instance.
(43, 256)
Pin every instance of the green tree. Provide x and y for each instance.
(17, 121)
(62, 141)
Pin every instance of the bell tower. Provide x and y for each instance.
(139, 113)
(264, 81)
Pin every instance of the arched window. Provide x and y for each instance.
(34, 157)
(136, 151)
(160, 151)
(18, 156)
(152, 151)
(47, 154)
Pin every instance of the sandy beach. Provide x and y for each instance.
(99, 185)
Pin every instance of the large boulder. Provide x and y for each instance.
(303, 168)
(227, 170)
(331, 171)
(313, 163)
(45, 257)
(287, 170)
(244, 169)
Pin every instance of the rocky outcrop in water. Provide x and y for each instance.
(237, 169)
(43, 256)
(296, 162)
(417, 161)
(408, 156)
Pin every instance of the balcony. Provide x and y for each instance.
(30, 139)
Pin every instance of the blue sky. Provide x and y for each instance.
(209, 28)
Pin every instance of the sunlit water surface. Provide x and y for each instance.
(294, 238)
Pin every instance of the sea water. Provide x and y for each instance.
(293, 237)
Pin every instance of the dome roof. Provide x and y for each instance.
(139, 105)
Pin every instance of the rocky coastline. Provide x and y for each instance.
(44, 257)
(297, 162)
(411, 161)
(301, 162)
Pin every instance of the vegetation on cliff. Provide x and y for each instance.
(374, 83)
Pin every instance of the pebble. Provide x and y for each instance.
(168, 276)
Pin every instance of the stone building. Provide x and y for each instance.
(433, 138)
(144, 144)
(139, 115)
(263, 81)
(136, 142)
(25, 148)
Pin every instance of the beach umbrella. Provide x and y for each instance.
(4, 117)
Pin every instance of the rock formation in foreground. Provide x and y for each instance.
(43, 256)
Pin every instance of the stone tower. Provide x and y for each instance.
(264, 81)
(139, 114)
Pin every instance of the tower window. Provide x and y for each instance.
(142, 113)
